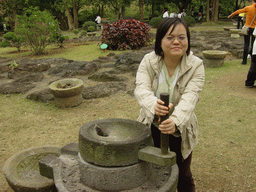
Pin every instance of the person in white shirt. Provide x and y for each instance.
(179, 15)
(166, 13)
(172, 14)
(184, 13)
(98, 19)
(4, 27)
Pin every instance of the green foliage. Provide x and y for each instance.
(88, 24)
(75, 31)
(5, 43)
(16, 40)
(91, 29)
(89, 13)
(83, 33)
(189, 20)
(37, 28)
(58, 38)
(126, 34)
(154, 22)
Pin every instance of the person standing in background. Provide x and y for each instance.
(166, 13)
(251, 75)
(184, 13)
(240, 20)
(172, 14)
(98, 19)
(4, 27)
(248, 39)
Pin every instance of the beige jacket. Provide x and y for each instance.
(185, 96)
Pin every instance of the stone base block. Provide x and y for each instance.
(235, 35)
(114, 178)
(64, 102)
(213, 62)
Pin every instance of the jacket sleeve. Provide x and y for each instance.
(244, 10)
(189, 98)
(143, 91)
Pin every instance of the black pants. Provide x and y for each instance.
(251, 76)
(240, 20)
(186, 182)
(248, 43)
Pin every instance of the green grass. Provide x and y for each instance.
(80, 52)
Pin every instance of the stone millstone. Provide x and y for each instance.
(214, 58)
(113, 142)
(67, 92)
(22, 170)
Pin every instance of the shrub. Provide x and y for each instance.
(189, 20)
(88, 24)
(58, 38)
(154, 22)
(16, 40)
(5, 43)
(126, 34)
(75, 31)
(83, 33)
(91, 28)
(37, 28)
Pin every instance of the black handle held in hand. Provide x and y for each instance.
(164, 137)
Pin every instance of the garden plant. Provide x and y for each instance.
(36, 28)
(126, 34)
(16, 40)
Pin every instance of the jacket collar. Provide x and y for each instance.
(186, 63)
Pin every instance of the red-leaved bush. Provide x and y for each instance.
(126, 34)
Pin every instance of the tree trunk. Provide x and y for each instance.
(153, 10)
(75, 15)
(141, 10)
(15, 19)
(70, 20)
(121, 13)
(208, 11)
(216, 10)
(101, 13)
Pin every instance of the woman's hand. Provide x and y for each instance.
(160, 109)
(167, 127)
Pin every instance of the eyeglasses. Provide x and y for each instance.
(173, 38)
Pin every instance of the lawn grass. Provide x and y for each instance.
(75, 51)
(224, 159)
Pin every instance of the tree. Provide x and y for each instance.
(208, 11)
(119, 6)
(141, 2)
(37, 29)
(215, 10)
(181, 4)
(100, 4)
(12, 9)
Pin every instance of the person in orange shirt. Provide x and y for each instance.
(248, 39)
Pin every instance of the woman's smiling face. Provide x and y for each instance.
(175, 41)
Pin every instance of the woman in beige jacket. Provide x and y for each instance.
(172, 68)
